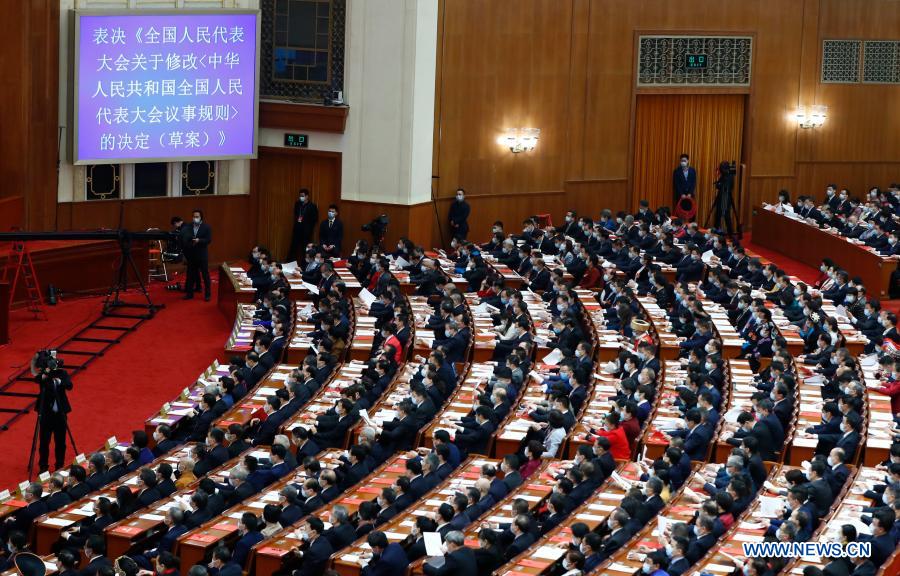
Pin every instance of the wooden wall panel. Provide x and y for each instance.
(28, 100)
(509, 208)
(858, 177)
(415, 222)
(500, 69)
(595, 79)
(280, 173)
(233, 231)
(765, 189)
(592, 196)
(12, 213)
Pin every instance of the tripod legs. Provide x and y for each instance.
(120, 283)
(57, 430)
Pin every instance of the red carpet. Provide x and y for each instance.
(118, 391)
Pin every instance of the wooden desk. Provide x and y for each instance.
(595, 409)
(194, 546)
(536, 490)
(123, 535)
(251, 405)
(666, 414)
(681, 507)
(14, 502)
(240, 341)
(347, 562)
(231, 291)
(461, 402)
(847, 511)
(49, 528)
(746, 528)
(267, 556)
(809, 244)
(174, 412)
(325, 397)
(544, 554)
(809, 413)
(741, 390)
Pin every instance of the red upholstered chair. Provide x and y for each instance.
(544, 220)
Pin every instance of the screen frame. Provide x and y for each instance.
(73, 84)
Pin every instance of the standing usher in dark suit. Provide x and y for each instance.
(196, 239)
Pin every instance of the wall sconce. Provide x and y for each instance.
(811, 116)
(520, 139)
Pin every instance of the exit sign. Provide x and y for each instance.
(296, 141)
(695, 61)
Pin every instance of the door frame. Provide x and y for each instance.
(255, 174)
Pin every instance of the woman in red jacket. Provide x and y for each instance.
(618, 441)
(592, 277)
(533, 452)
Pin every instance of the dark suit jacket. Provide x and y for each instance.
(148, 497)
(78, 491)
(682, 185)
(340, 536)
(391, 562)
(199, 252)
(332, 235)
(229, 569)
(697, 441)
(460, 562)
(401, 434)
(613, 542)
(57, 501)
(513, 480)
(315, 558)
(243, 545)
(167, 542)
(94, 566)
(519, 545)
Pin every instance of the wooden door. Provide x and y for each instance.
(707, 127)
(281, 173)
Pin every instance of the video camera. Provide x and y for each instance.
(378, 229)
(47, 360)
(380, 223)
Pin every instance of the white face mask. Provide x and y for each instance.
(196, 220)
(331, 214)
(684, 163)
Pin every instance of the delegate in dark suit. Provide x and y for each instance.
(331, 233)
(683, 183)
(306, 215)
(196, 238)
(460, 562)
(391, 562)
(315, 558)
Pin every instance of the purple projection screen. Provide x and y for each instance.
(165, 86)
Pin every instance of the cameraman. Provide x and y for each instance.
(52, 406)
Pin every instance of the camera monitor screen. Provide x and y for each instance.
(165, 86)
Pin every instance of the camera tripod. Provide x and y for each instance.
(37, 426)
(723, 207)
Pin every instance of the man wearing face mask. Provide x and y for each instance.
(458, 216)
(684, 180)
(331, 233)
(195, 239)
(306, 214)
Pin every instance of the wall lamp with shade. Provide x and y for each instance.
(811, 116)
(520, 139)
